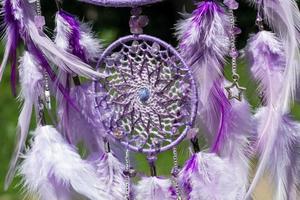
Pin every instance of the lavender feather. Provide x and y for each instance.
(154, 188)
(283, 156)
(111, 174)
(85, 124)
(206, 176)
(284, 18)
(204, 43)
(267, 59)
(53, 164)
(76, 38)
(31, 87)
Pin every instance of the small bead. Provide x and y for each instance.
(175, 171)
(234, 54)
(237, 31)
(118, 134)
(39, 21)
(130, 172)
(231, 4)
(136, 11)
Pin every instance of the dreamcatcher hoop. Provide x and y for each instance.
(187, 94)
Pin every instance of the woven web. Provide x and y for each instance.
(149, 95)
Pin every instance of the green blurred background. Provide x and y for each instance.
(109, 24)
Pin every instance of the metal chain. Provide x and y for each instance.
(235, 91)
(46, 78)
(127, 168)
(175, 172)
(233, 50)
(38, 8)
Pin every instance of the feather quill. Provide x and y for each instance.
(31, 87)
(52, 163)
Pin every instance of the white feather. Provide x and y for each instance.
(59, 57)
(111, 174)
(52, 162)
(90, 44)
(212, 178)
(154, 188)
(31, 87)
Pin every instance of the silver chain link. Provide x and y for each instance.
(176, 167)
(233, 49)
(46, 78)
(127, 168)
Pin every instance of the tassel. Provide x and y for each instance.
(155, 188)
(31, 87)
(206, 176)
(268, 63)
(52, 168)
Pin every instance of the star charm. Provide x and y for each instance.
(235, 91)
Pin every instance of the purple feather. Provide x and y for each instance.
(31, 89)
(12, 38)
(204, 43)
(76, 38)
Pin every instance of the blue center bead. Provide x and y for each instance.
(144, 95)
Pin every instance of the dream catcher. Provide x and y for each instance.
(145, 96)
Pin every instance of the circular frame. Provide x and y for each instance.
(194, 98)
